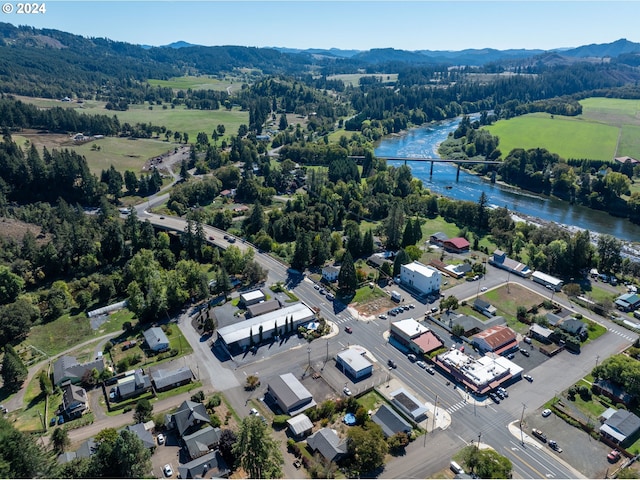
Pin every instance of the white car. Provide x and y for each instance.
(546, 412)
(253, 411)
(160, 439)
(382, 317)
(346, 391)
(483, 289)
(421, 364)
(167, 470)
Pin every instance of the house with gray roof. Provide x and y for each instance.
(328, 444)
(202, 441)
(74, 400)
(620, 426)
(156, 339)
(133, 385)
(140, 431)
(68, 368)
(165, 379)
(211, 465)
(390, 421)
(575, 327)
(189, 417)
(290, 395)
(86, 449)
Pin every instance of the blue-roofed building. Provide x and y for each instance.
(628, 302)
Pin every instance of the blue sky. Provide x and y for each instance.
(360, 25)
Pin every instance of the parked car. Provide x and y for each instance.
(167, 470)
(500, 394)
(316, 286)
(539, 435)
(60, 420)
(254, 412)
(331, 296)
(53, 421)
(554, 445)
(392, 364)
(527, 340)
(511, 356)
(434, 309)
(392, 313)
(494, 397)
(503, 391)
(483, 289)
(528, 378)
(525, 352)
(546, 412)
(412, 357)
(421, 364)
(614, 456)
(431, 370)
(382, 317)
(160, 439)
(346, 391)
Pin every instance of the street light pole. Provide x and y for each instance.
(479, 435)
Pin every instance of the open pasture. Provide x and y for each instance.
(607, 128)
(569, 137)
(353, 79)
(203, 82)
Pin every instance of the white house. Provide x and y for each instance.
(547, 280)
(330, 273)
(421, 277)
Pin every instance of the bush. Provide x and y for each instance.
(280, 421)
(198, 397)
(215, 420)
(214, 401)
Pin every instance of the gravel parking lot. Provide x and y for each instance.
(167, 453)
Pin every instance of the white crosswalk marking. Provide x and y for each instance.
(456, 406)
(623, 334)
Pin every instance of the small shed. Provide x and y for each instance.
(300, 426)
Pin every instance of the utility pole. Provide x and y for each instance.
(309, 356)
(521, 420)
(435, 414)
(479, 435)
(327, 352)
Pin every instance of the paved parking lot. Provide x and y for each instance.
(169, 453)
(579, 449)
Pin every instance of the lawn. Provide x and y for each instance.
(569, 137)
(366, 294)
(353, 79)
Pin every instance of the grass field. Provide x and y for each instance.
(569, 137)
(608, 127)
(198, 83)
(131, 154)
(353, 79)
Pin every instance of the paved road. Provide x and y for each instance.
(468, 421)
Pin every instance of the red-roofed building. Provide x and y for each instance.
(427, 342)
(496, 339)
(456, 245)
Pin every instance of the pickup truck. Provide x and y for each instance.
(539, 435)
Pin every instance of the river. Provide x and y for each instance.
(424, 141)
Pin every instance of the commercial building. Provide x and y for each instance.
(415, 336)
(352, 362)
(251, 298)
(548, 281)
(290, 395)
(497, 339)
(628, 302)
(500, 260)
(478, 375)
(456, 245)
(420, 277)
(409, 405)
(262, 308)
(242, 334)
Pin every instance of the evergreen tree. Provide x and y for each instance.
(347, 279)
(408, 235)
(14, 372)
(417, 230)
(393, 226)
(302, 252)
(401, 259)
(367, 244)
(257, 452)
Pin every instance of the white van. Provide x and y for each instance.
(456, 468)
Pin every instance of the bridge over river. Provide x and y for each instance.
(458, 162)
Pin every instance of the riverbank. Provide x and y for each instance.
(443, 179)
